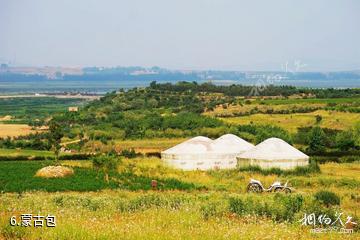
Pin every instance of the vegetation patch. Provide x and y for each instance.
(83, 179)
(327, 198)
(313, 167)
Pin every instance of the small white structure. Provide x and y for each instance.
(189, 155)
(202, 153)
(228, 147)
(273, 153)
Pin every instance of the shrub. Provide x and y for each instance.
(291, 205)
(105, 164)
(280, 208)
(345, 140)
(128, 153)
(327, 198)
(317, 140)
(349, 159)
(236, 205)
(210, 209)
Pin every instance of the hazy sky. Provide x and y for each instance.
(182, 34)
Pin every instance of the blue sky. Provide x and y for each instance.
(182, 34)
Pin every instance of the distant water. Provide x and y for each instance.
(101, 87)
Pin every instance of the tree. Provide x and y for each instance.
(55, 135)
(345, 140)
(356, 132)
(317, 140)
(105, 164)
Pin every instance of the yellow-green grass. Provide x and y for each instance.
(81, 221)
(14, 130)
(340, 178)
(96, 215)
(290, 122)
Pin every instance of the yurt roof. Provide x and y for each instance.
(198, 144)
(274, 149)
(231, 143)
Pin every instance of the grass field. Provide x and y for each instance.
(290, 122)
(121, 212)
(149, 145)
(24, 152)
(187, 204)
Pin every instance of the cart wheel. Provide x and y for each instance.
(287, 190)
(278, 189)
(253, 187)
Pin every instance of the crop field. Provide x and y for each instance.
(27, 108)
(14, 130)
(192, 205)
(291, 122)
(24, 152)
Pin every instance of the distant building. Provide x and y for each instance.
(73, 109)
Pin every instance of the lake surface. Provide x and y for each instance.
(101, 87)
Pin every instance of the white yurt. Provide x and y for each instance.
(273, 153)
(202, 153)
(228, 147)
(189, 155)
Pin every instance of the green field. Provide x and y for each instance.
(24, 109)
(126, 208)
(24, 152)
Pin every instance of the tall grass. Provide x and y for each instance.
(313, 167)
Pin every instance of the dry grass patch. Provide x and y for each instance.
(14, 130)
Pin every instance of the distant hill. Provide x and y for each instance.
(156, 73)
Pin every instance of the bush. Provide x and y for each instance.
(105, 164)
(280, 208)
(345, 140)
(128, 153)
(212, 209)
(317, 140)
(153, 154)
(327, 198)
(236, 205)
